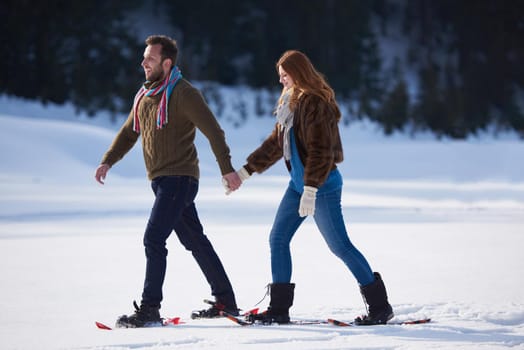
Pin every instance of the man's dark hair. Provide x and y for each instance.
(169, 47)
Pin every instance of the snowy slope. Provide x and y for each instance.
(442, 221)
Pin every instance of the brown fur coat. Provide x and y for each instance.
(315, 127)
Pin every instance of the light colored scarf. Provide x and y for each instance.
(285, 122)
(166, 88)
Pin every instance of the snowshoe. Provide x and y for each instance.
(214, 311)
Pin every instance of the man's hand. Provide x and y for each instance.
(101, 172)
(307, 201)
(231, 182)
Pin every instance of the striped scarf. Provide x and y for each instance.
(166, 88)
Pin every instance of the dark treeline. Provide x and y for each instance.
(78, 51)
(453, 67)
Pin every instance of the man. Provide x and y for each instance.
(166, 112)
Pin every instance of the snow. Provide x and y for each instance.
(441, 220)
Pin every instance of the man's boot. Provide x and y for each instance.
(144, 316)
(225, 303)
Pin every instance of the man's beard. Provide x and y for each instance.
(156, 75)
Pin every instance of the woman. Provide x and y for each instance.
(307, 136)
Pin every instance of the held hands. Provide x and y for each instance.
(232, 181)
(307, 201)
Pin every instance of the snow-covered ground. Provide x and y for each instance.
(442, 221)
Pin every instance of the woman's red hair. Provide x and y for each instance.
(306, 78)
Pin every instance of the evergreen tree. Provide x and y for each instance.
(58, 51)
(469, 55)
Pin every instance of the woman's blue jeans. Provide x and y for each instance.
(328, 217)
(174, 209)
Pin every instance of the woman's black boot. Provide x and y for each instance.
(379, 309)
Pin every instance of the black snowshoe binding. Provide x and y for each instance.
(268, 317)
(214, 311)
(372, 319)
(144, 316)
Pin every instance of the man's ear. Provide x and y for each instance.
(166, 64)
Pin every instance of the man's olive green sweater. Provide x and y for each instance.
(171, 150)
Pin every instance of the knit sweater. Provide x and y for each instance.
(171, 150)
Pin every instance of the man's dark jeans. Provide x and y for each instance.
(174, 209)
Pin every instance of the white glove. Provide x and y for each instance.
(307, 201)
(243, 174)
